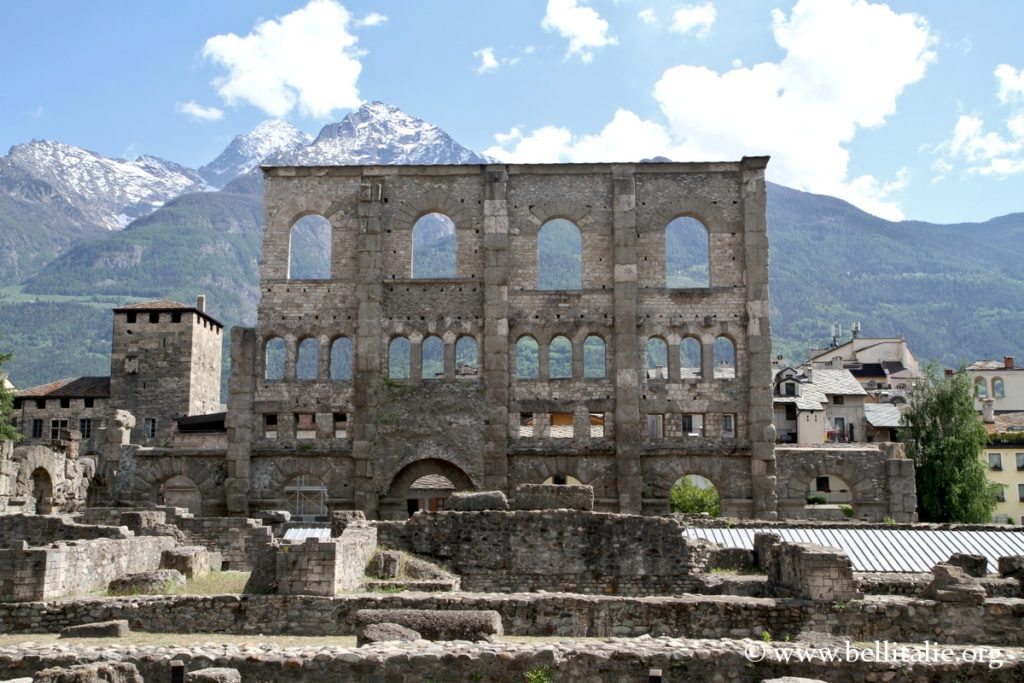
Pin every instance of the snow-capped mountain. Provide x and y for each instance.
(379, 133)
(108, 192)
(266, 143)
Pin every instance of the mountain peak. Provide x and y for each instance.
(270, 141)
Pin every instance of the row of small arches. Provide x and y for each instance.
(559, 251)
(981, 387)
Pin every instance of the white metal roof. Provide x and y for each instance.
(301, 534)
(882, 550)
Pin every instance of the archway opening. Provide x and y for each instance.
(425, 485)
(686, 253)
(657, 358)
(273, 359)
(432, 349)
(42, 492)
(560, 358)
(433, 247)
(428, 493)
(694, 494)
(306, 498)
(828, 489)
(559, 255)
(562, 480)
(309, 251)
(307, 360)
(341, 359)
(181, 492)
(527, 358)
(467, 361)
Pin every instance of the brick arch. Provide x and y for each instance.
(576, 212)
(601, 478)
(730, 476)
(439, 201)
(407, 475)
(703, 210)
(286, 470)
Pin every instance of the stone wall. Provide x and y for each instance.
(553, 550)
(323, 568)
(42, 529)
(45, 476)
(811, 572)
(76, 567)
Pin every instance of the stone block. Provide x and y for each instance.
(148, 583)
(214, 675)
(438, 624)
(1012, 566)
(550, 497)
(341, 519)
(383, 633)
(739, 559)
(263, 578)
(386, 564)
(973, 565)
(476, 500)
(952, 584)
(192, 561)
(95, 672)
(271, 517)
(100, 629)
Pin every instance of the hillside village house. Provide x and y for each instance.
(884, 366)
(818, 405)
(1004, 457)
(1002, 381)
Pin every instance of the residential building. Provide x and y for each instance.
(1002, 381)
(1004, 457)
(884, 366)
(818, 405)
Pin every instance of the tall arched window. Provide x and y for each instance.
(306, 363)
(341, 358)
(560, 358)
(725, 358)
(559, 255)
(467, 361)
(980, 388)
(689, 358)
(997, 388)
(657, 358)
(274, 355)
(527, 358)
(398, 358)
(593, 357)
(433, 247)
(686, 253)
(433, 358)
(309, 249)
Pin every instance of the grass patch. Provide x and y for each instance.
(211, 583)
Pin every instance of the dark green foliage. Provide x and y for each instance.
(51, 341)
(1006, 439)
(559, 252)
(7, 431)
(944, 437)
(686, 253)
(310, 249)
(694, 496)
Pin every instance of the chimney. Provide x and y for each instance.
(201, 303)
(1008, 362)
(988, 415)
(947, 372)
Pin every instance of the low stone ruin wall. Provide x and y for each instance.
(811, 572)
(75, 567)
(319, 567)
(553, 550)
(39, 530)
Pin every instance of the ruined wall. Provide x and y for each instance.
(319, 567)
(553, 550)
(466, 426)
(43, 477)
(43, 529)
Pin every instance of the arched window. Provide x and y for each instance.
(686, 253)
(593, 357)
(433, 358)
(689, 358)
(657, 358)
(560, 358)
(527, 361)
(309, 249)
(433, 247)
(559, 255)
(467, 361)
(306, 364)
(398, 358)
(341, 358)
(274, 354)
(725, 358)
(997, 388)
(980, 388)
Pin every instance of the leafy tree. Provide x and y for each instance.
(944, 437)
(7, 431)
(687, 495)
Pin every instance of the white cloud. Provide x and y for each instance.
(582, 26)
(488, 62)
(306, 60)
(647, 16)
(845, 64)
(198, 112)
(1011, 83)
(372, 19)
(696, 19)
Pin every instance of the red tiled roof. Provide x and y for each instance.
(70, 387)
(1006, 422)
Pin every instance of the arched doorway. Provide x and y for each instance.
(306, 498)
(424, 485)
(42, 492)
(828, 489)
(181, 492)
(694, 494)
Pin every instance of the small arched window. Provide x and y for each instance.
(527, 358)
(433, 358)
(467, 360)
(398, 358)
(559, 255)
(686, 253)
(725, 358)
(433, 247)
(997, 388)
(690, 358)
(306, 363)
(657, 358)
(560, 358)
(980, 388)
(309, 249)
(341, 358)
(594, 358)
(274, 355)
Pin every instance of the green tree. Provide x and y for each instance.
(694, 496)
(944, 437)
(7, 431)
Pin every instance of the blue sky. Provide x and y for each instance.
(907, 109)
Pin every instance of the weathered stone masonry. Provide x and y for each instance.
(467, 428)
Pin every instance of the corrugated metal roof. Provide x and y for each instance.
(300, 535)
(882, 550)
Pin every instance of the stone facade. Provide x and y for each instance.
(44, 477)
(319, 567)
(362, 441)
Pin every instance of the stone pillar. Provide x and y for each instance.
(449, 360)
(369, 345)
(241, 418)
(626, 343)
(672, 365)
(495, 351)
(760, 430)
